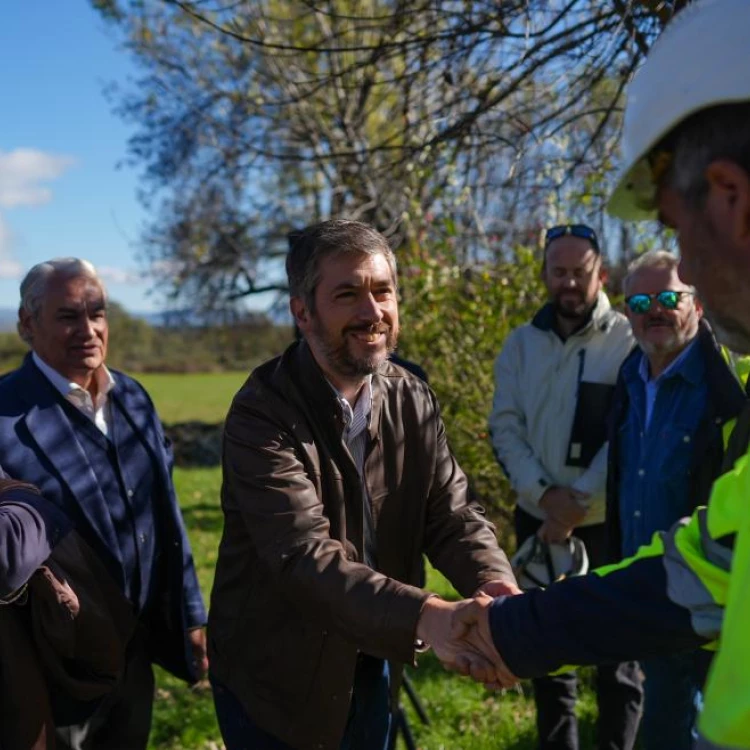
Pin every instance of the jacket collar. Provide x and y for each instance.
(688, 365)
(50, 427)
(725, 390)
(600, 317)
(729, 397)
(307, 377)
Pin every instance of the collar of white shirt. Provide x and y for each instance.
(356, 419)
(73, 392)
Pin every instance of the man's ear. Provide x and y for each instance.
(728, 200)
(300, 313)
(698, 306)
(24, 325)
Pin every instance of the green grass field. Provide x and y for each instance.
(463, 716)
(203, 397)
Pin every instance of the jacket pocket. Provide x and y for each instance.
(589, 431)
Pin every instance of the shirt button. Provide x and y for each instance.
(686, 439)
(142, 538)
(641, 473)
(130, 493)
(637, 514)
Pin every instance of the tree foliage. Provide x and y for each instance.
(457, 318)
(257, 116)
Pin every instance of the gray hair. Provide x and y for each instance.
(720, 132)
(34, 284)
(311, 245)
(652, 259)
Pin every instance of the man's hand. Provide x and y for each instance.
(471, 623)
(197, 637)
(498, 588)
(564, 506)
(458, 647)
(554, 532)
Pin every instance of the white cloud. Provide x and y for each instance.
(113, 275)
(23, 173)
(10, 268)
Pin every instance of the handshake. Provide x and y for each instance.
(459, 634)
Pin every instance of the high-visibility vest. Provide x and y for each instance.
(707, 560)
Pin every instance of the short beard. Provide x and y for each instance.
(340, 358)
(580, 313)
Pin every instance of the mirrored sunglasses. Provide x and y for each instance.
(669, 299)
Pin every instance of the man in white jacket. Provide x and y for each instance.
(554, 379)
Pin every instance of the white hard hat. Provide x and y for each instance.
(702, 59)
(537, 564)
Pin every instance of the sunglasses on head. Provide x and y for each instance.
(574, 230)
(642, 303)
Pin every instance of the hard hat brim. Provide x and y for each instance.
(634, 196)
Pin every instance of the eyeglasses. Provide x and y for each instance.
(640, 304)
(576, 230)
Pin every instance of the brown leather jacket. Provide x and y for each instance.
(292, 604)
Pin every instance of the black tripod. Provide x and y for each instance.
(401, 721)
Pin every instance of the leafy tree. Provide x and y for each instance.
(256, 116)
(456, 318)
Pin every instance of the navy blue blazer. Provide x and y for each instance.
(37, 445)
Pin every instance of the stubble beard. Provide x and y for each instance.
(342, 360)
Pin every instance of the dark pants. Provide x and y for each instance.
(122, 720)
(367, 728)
(618, 687)
(673, 692)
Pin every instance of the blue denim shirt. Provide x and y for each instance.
(655, 453)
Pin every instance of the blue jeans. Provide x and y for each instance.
(368, 726)
(673, 690)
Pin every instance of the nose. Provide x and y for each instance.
(86, 327)
(369, 309)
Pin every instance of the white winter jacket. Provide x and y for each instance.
(548, 420)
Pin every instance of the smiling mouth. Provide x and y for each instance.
(369, 337)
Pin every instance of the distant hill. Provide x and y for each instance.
(174, 318)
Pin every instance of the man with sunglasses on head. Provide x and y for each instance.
(554, 380)
(675, 398)
(686, 143)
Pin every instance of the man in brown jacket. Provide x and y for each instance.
(337, 478)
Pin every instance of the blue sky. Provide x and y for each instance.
(61, 192)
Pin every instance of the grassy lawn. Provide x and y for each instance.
(463, 716)
(203, 397)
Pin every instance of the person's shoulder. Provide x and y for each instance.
(618, 321)
(128, 386)
(615, 330)
(261, 384)
(409, 366)
(400, 383)
(267, 396)
(9, 381)
(520, 338)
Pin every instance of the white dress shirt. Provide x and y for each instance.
(96, 410)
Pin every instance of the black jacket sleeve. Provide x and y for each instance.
(592, 619)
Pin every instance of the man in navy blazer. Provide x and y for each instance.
(90, 440)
